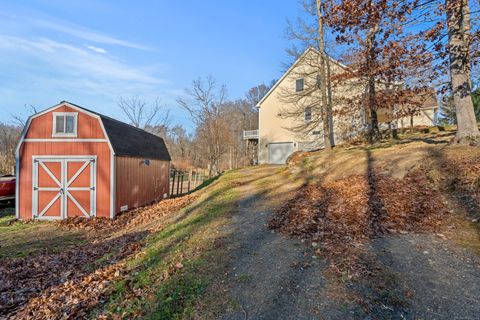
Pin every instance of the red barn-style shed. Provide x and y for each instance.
(74, 162)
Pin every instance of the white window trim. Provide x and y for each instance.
(64, 114)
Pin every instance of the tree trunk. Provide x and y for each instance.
(323, 77)
(458, 22)
(330, 104)
(374, 134)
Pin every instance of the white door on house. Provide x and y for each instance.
(279, 152)
(64, 187)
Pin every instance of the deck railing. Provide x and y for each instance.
(250, 134)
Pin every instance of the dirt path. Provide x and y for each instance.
(273, 277)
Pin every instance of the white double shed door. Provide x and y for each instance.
(64, 187)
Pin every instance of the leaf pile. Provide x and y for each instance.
(129, 219)
(458, 170)
(68, 284)
(341, 216)
(49, 286)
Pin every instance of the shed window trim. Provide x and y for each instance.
(299, 85)
(65, 128)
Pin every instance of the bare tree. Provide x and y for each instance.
(314, 99)
(142, 115)
(325, 109)
(255, 94)
(204, 101)
(458, 24)
(451, 31)
(9, 135)
(20, 120)
(231, 119)
(180, 144)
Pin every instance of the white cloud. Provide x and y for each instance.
(96, 49)
(78, 60)
(86, 34)
(42, 67)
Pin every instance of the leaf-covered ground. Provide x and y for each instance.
(347, 217)
(155, 262)
(385, 232)
(69, 280)
(341, 216)
(343, 213)
(406, 266)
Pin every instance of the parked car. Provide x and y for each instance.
(7, 188)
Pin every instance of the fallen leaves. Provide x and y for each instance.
(37, 283)
(130, 219)
(67, 285)
(341, 216)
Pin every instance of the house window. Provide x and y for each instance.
(299, 85)
(308, 114)
(64, 124)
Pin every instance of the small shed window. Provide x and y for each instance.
(299, 85)
(64, 124)
(308, 114)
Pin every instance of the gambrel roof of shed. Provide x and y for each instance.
(129, 141)
(124, 139)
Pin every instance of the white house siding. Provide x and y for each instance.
(275, 128)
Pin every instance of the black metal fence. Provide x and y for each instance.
(182, 182)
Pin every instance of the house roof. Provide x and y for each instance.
(125, 140)
(130, 141)
(427, 98)
(424, 99)
(309, 49)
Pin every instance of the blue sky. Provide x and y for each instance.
(92, 52)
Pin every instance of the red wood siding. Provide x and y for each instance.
(138, 184)
(30, 149)
(88, 127)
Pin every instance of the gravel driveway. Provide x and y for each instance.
(273, 277)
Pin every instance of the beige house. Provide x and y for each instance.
(289, 120)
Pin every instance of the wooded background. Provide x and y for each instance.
(408, 45)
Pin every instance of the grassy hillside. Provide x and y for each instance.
(151, 262)
(178, 259)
